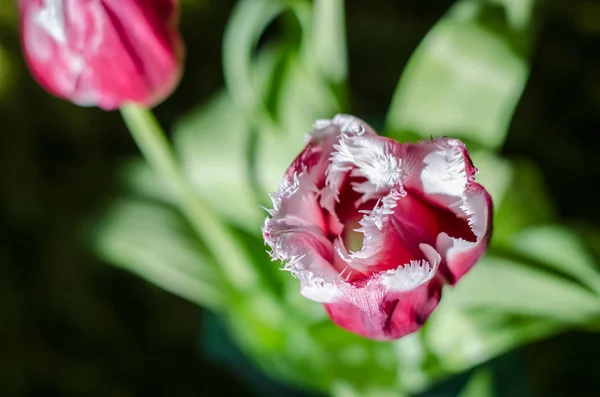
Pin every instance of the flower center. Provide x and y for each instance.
(353, 240)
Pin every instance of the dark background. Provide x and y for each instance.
(71, 325)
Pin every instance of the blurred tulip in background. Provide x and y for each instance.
(103, 53)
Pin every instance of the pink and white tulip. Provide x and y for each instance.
(374, 228)
(103, 52)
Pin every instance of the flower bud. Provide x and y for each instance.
(103, 52)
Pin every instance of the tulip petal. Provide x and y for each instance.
(348, 126)
(459, 255)
(298, 207)
(296, 234)
(441, 172)
(376, 159)
(392, 304)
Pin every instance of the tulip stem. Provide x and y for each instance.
(154, 145)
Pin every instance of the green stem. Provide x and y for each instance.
(155, 147)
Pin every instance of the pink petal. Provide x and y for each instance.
(459, 255)
(298, 228)
(374, 159)
(392, 304)
(440, 171)
(412, 223)
(146, 49)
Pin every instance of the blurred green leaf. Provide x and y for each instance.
(480, 384)
(213, 147)
(466, 77)
(591, 235)
(141, 180)
(524, 202)
(346, 389)
(411, 354)
(508, 286)
(341, 358)
(495, 173)
(518, 193)
(283, 89)
(329, 38)
(155, 242)
(301, 99)
(499, 305)
(460, 339)
(247, 22)
(559, 249)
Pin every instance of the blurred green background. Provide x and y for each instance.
(71, 325)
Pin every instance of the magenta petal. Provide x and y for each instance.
(440, 171)
(397, 315)
(458, 255)
(378, 311)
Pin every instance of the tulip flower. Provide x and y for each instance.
(374, 228)
(103, 52)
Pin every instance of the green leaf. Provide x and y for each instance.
(559, 249)
(503, 285)
(411, 354)
(591, 235)
(329, 38)
(465, 78)
(301, 99)
(480, 384)
(498, 305)
(460, 339)
(518, 194)
(141, 180)
(295, 82)
(247, 22)
(495, 173)
(524, 203)
(343, 358)
(155, 242)
(212, 144)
